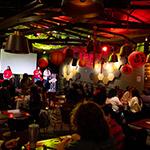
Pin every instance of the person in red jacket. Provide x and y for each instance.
(7, 75)
(37, 74)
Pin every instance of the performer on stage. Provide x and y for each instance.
(7, 75)
(46, 76)
(37, 75)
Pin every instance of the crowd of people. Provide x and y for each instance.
(96, 111)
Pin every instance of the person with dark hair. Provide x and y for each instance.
(135, 103)
(89, 123)
(5, 97)
(116, 130)
(35, 103)
(25, 84)
(37, 75)
(100, 95)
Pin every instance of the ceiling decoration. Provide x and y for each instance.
(118, 22)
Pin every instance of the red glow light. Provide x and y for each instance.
(11, 115)
(104, 48)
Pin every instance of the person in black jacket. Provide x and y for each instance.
(35, 103)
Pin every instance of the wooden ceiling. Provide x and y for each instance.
(121, 22)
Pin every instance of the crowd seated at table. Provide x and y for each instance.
(126, 106)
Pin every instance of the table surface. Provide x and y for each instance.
(143, 123)
(50, 143)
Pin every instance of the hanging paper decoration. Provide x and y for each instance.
(43, 62)
(89, 58)
(82, 63)
(126, 69)
(137, 59)
(68, 52)
(57, 57)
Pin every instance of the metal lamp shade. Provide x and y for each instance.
(113, 58)
(83, 8)
(17, 43)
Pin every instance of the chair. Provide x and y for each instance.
(135, 138)
(18, 124)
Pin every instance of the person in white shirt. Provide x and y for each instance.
(113, 99)
(135, 103)
(46, 76)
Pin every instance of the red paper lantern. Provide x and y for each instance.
(43, 62)
(57, 57)
(137, 59)
(126, 69)
(82, 63)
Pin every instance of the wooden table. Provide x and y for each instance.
(143, 123)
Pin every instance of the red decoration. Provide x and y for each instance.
(43, 62)
(137, 59)
(57, 57)
(82, 63)
(126, 69)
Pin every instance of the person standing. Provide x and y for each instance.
(37, 75)
(7, 75)
(46, 77)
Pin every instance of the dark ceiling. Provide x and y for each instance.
(120, 21)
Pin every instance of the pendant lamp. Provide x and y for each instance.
(17, 43)
(113, 58)
(83, 8)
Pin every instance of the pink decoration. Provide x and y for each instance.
(126, 69)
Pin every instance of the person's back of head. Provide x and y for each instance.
(100, 95)
(25, 76)
(5, 83)
(135, 92)
(89, 121)
(112, 93)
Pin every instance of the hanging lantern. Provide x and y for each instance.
(110, 76)
(82, 63)
(137, 59)
(43, 62)
(100, 76)
(126, 69)
(57, 57)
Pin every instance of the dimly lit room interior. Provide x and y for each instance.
(60, 57)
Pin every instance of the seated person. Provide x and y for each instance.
(92, 130)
